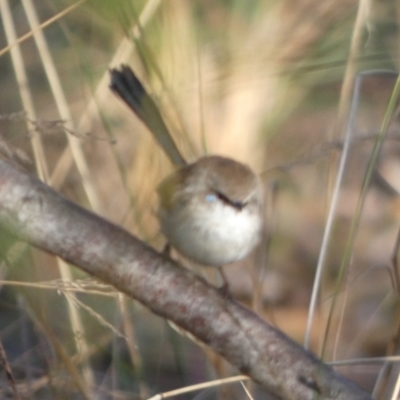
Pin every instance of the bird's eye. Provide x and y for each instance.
(235, 204)
(211, 198)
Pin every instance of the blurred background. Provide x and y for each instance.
(269, 83)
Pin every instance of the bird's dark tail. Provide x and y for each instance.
(128, 87)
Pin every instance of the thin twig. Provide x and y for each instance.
(8, 371)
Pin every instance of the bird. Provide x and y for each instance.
(210, 210)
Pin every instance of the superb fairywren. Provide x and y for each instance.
(210, 210)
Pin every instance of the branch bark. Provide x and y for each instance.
(45, 219)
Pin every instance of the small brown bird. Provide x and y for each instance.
(211, 210)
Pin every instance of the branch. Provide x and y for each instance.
(43, 218)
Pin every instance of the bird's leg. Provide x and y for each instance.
(166, 251)
(224, 289)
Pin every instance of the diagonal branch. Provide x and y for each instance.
(43, 218)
